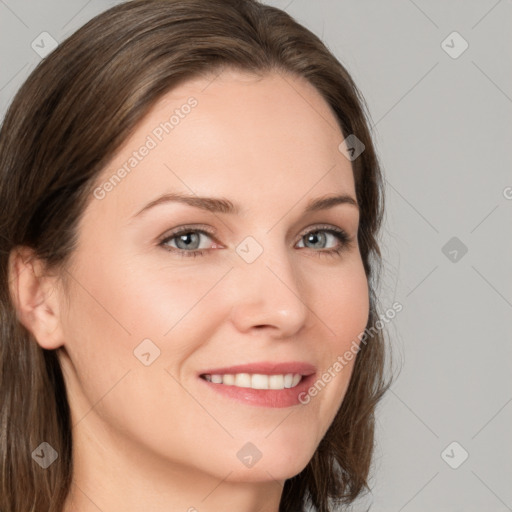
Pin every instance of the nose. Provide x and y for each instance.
(268, 294)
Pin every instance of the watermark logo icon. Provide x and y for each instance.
(454, 455)
(249, 455)
(454, 45)
(44, 44)
(249, 249)
(454, 249)
(45, 455)
(146, 352)
(351, 147)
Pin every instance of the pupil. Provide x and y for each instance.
(312, 237)
(185, 236)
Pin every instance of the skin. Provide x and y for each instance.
(154, 437)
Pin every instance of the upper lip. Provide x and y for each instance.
(265, 368)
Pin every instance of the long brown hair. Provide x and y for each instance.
(65, 124)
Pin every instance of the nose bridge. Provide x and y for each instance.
(268, 291)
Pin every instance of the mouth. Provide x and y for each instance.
(255, 380)
(261, 384)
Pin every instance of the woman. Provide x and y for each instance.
(243, 378)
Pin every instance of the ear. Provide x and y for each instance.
(36, 297)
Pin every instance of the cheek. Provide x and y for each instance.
(167, 294)
(111, 314)
(342, 304)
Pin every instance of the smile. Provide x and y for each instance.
(255, 380)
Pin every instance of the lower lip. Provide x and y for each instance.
(272, 398)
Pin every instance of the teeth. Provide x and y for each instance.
(276, 381)
(256, 380)
(227, 379)
(288, 380)
(242, 380)
(260, 381)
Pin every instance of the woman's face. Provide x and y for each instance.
(270, 285)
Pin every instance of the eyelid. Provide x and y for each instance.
(186, 228)
(325, 227)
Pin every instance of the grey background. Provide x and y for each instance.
(441, 127)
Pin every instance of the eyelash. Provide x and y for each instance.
(342, 236)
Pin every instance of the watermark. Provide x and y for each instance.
(454, 45)
(249, 454)
(45, 455)
(146, 352)
(348, 355)
(44, 44)
(507, 192)
(152, 140)
(454, 249)
(351, 147)
(454, 455)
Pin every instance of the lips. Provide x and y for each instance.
(264, 368)
(248, 383)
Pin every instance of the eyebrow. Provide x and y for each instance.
(223, 205)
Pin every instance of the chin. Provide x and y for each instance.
(274, 465)
(267, 472)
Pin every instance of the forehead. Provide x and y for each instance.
(257, 139)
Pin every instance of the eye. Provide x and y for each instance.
(321, 235)
(187, 240)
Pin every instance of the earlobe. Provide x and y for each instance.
(35, 298)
